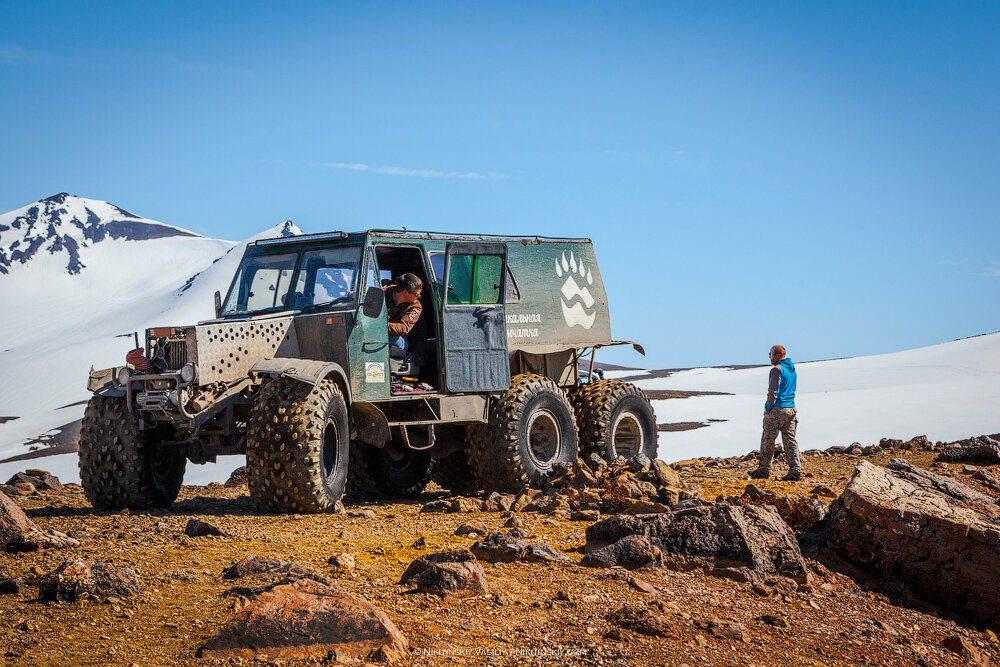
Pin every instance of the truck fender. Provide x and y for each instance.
(109, 390)
(305, 370)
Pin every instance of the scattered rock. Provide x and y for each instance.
(585, 515)
(263, 567)
(238, 478)
(725, 629)
(199, 528)
(306, 619)
(82, 580)
(465, 505)
(776, 620)
(595, 462)
(823, 491)
(642, 620)
(642, 585)
(13, 524)
(630, 552)
(931, 531)
(721, 533)
(436, 506)
(498, 502)
(665, 475)
(343, 562)
(471, 528)
(40, 479)
(646, 507)
(420, 542)
(807, 514)
(454, 570)
(961, 646)
(639, 463)
(507, 547)
(514, 522)
(32, 540)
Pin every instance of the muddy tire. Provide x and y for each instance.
(298, 443)
(531, 428)
(615, 418)
(393, 471)
(121, 466)
(454, 473)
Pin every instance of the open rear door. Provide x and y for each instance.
(475, 326)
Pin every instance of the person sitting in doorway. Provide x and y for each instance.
(402, 299)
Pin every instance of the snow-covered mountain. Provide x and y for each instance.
(74, 274)
(63, 226)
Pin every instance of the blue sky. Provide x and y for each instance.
(823, 175)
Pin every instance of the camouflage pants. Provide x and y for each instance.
(785, 421)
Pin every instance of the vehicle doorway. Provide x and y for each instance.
(418, 371)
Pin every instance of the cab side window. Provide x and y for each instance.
(475, 279)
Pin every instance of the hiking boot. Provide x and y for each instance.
(759, 474)
(792, 476)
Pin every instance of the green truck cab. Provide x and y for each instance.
(296, 372)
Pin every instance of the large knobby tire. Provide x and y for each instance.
(392, 471)
(121, 466)
(297, 447)
(531, 428)
(615, 418)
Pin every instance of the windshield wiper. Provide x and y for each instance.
(317, 306)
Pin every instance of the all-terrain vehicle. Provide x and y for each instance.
(296, 372)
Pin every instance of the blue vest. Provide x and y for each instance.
(785, 398)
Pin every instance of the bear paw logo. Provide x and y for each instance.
(576, 300)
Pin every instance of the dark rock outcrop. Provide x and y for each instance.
(306, 619)
(721, 534)
(984, 449)
(932, 532)
(454, 570)
(83, 580)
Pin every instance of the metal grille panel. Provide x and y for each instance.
(228, 350)
(176, 354)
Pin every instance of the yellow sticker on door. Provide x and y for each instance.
(374, 372)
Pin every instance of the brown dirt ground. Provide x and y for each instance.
(522, 621)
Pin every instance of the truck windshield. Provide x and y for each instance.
(269, 281)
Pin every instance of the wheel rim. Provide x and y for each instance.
(397, 459)
(331, 449)
(543, 438)
(626, 437)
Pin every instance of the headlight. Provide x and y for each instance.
(123, 375)
(188, 373)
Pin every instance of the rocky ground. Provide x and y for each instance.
(556, 612)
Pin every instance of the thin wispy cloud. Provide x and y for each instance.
(993, 270)
(398, 171)
(12, 53)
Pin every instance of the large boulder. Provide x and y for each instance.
(306, 619)
(14, 523)
(932, 532)
(721, 534)
(83, 580)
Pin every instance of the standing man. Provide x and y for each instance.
(402, 300)
(779, 415)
